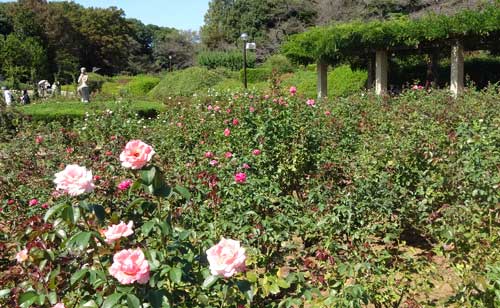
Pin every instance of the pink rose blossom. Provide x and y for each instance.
(22, 256)
(417, 87)
(209, 154)
(227, 132)
(74, 180)
(115, 232)
(70, 150)
(45, 206)
(327, 113)
(228, 110)
(10, 202)
(256, 152)
(210, 107)
(240, 177)
(245, 166)
(136, 154)
(214, 163)
(236, 122)
(33, 202)
(216, 108)
(311, 102)
(124, 185)
(38, 139)
(293, 91)
(130, 266)
(59, 305)
(228, 155)
(252, 109)
(266, 96)
(226, 258)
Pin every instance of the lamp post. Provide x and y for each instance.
(244, 38)
(170, 62)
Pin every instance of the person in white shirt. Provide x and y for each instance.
(83, 87)
(7, 95)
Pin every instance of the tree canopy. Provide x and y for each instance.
(51, 40)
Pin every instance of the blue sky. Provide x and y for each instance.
(180, 14)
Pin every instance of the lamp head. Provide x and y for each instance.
(244, 37)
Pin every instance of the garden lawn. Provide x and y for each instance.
(53, 110)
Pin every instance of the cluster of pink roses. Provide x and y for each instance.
(130, 265)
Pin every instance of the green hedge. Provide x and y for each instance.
(256, 74)
(232, 60)
(189, 81)
(333, 43)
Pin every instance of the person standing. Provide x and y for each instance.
(83, 88)
(7, 95)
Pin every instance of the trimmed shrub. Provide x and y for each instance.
(232, 60)
(280, 63)
(256, 74)
(188, 82)
(96, 81)
(141, 85)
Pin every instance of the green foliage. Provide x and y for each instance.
(279, 63)
(53, 110)
(255, 75)
(232, 60)
(96, 81)
(188, 82)
(131, 86)
(342, 81)
(341, 41)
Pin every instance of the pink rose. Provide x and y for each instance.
(124, 185)
(228, 110)
(45, 206)
(227, 132)
(209, 154)
(214, 163)
(228, 155)
(130, 266)
(38, 139)
(136, 154)
(74, 180)
(256, 152)
(311, 102)
(251, 109)
(33, 202)
(236, 122)
(245, 166)
(266, 96)
(226, 258)
(210, 107)
(327, 113)
(115, 232)
(216, 108)
(59, 305)
(293, 90)
(240, 177)
(22, 256)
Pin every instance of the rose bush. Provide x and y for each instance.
(351, 202)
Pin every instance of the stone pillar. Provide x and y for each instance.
(322, 69)
(381, 66)
(371, 72)
(457, 69)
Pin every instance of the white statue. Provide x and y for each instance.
(83, 88)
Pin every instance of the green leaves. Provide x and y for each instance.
(27, 299)
(76, 277)
(54, 210)
(209, 281)
(112, 300)
(153, 182)
(79, 240)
